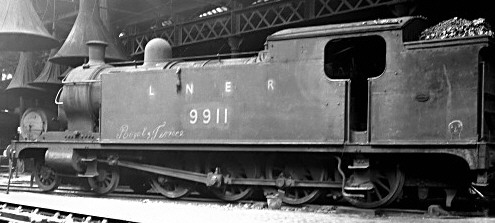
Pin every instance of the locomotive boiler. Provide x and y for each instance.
(362, 111)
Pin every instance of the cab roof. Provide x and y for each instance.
(345, 28)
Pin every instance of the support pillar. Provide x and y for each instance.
(235, 44)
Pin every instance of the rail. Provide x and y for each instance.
(11, 212)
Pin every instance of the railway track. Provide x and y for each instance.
(11, 212)
(26, 212)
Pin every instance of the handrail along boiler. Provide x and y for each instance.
(358, 111)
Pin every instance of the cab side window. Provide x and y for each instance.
(357, 57)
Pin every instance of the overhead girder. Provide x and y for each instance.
(248, 19)
(242, 18)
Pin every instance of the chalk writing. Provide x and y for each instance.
(154, 133)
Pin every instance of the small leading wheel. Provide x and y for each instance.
(298, 170)
(106, 181)
(387, 184)
(170, 187)
(45, 177)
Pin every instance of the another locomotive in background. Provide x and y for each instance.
(365, 111)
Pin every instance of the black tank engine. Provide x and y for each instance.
(362, 111)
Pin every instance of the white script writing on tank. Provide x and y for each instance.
(158, 132)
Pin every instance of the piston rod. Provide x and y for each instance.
(204, 178)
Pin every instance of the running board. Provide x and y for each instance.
(207, 178)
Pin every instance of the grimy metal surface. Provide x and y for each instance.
(269, 102)
(426, 94)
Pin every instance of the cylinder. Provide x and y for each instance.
(64, 160)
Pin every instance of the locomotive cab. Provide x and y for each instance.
(356, 60)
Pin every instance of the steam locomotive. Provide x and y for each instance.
(361, 111)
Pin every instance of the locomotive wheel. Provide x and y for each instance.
(45, 177)
(387, 182)
(298, 171)
(232, 193)
(107, 180)
(231, 167)
(169, 187)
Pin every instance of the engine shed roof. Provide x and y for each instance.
(346, 28)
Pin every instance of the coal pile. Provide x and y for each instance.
(457, 27)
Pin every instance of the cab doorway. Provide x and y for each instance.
(356, 61)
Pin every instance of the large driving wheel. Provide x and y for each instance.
(298, 170)
(174, 188)
(234, 168)
(45, 177)
(387, 184)
(170, 187)
(107, 180)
